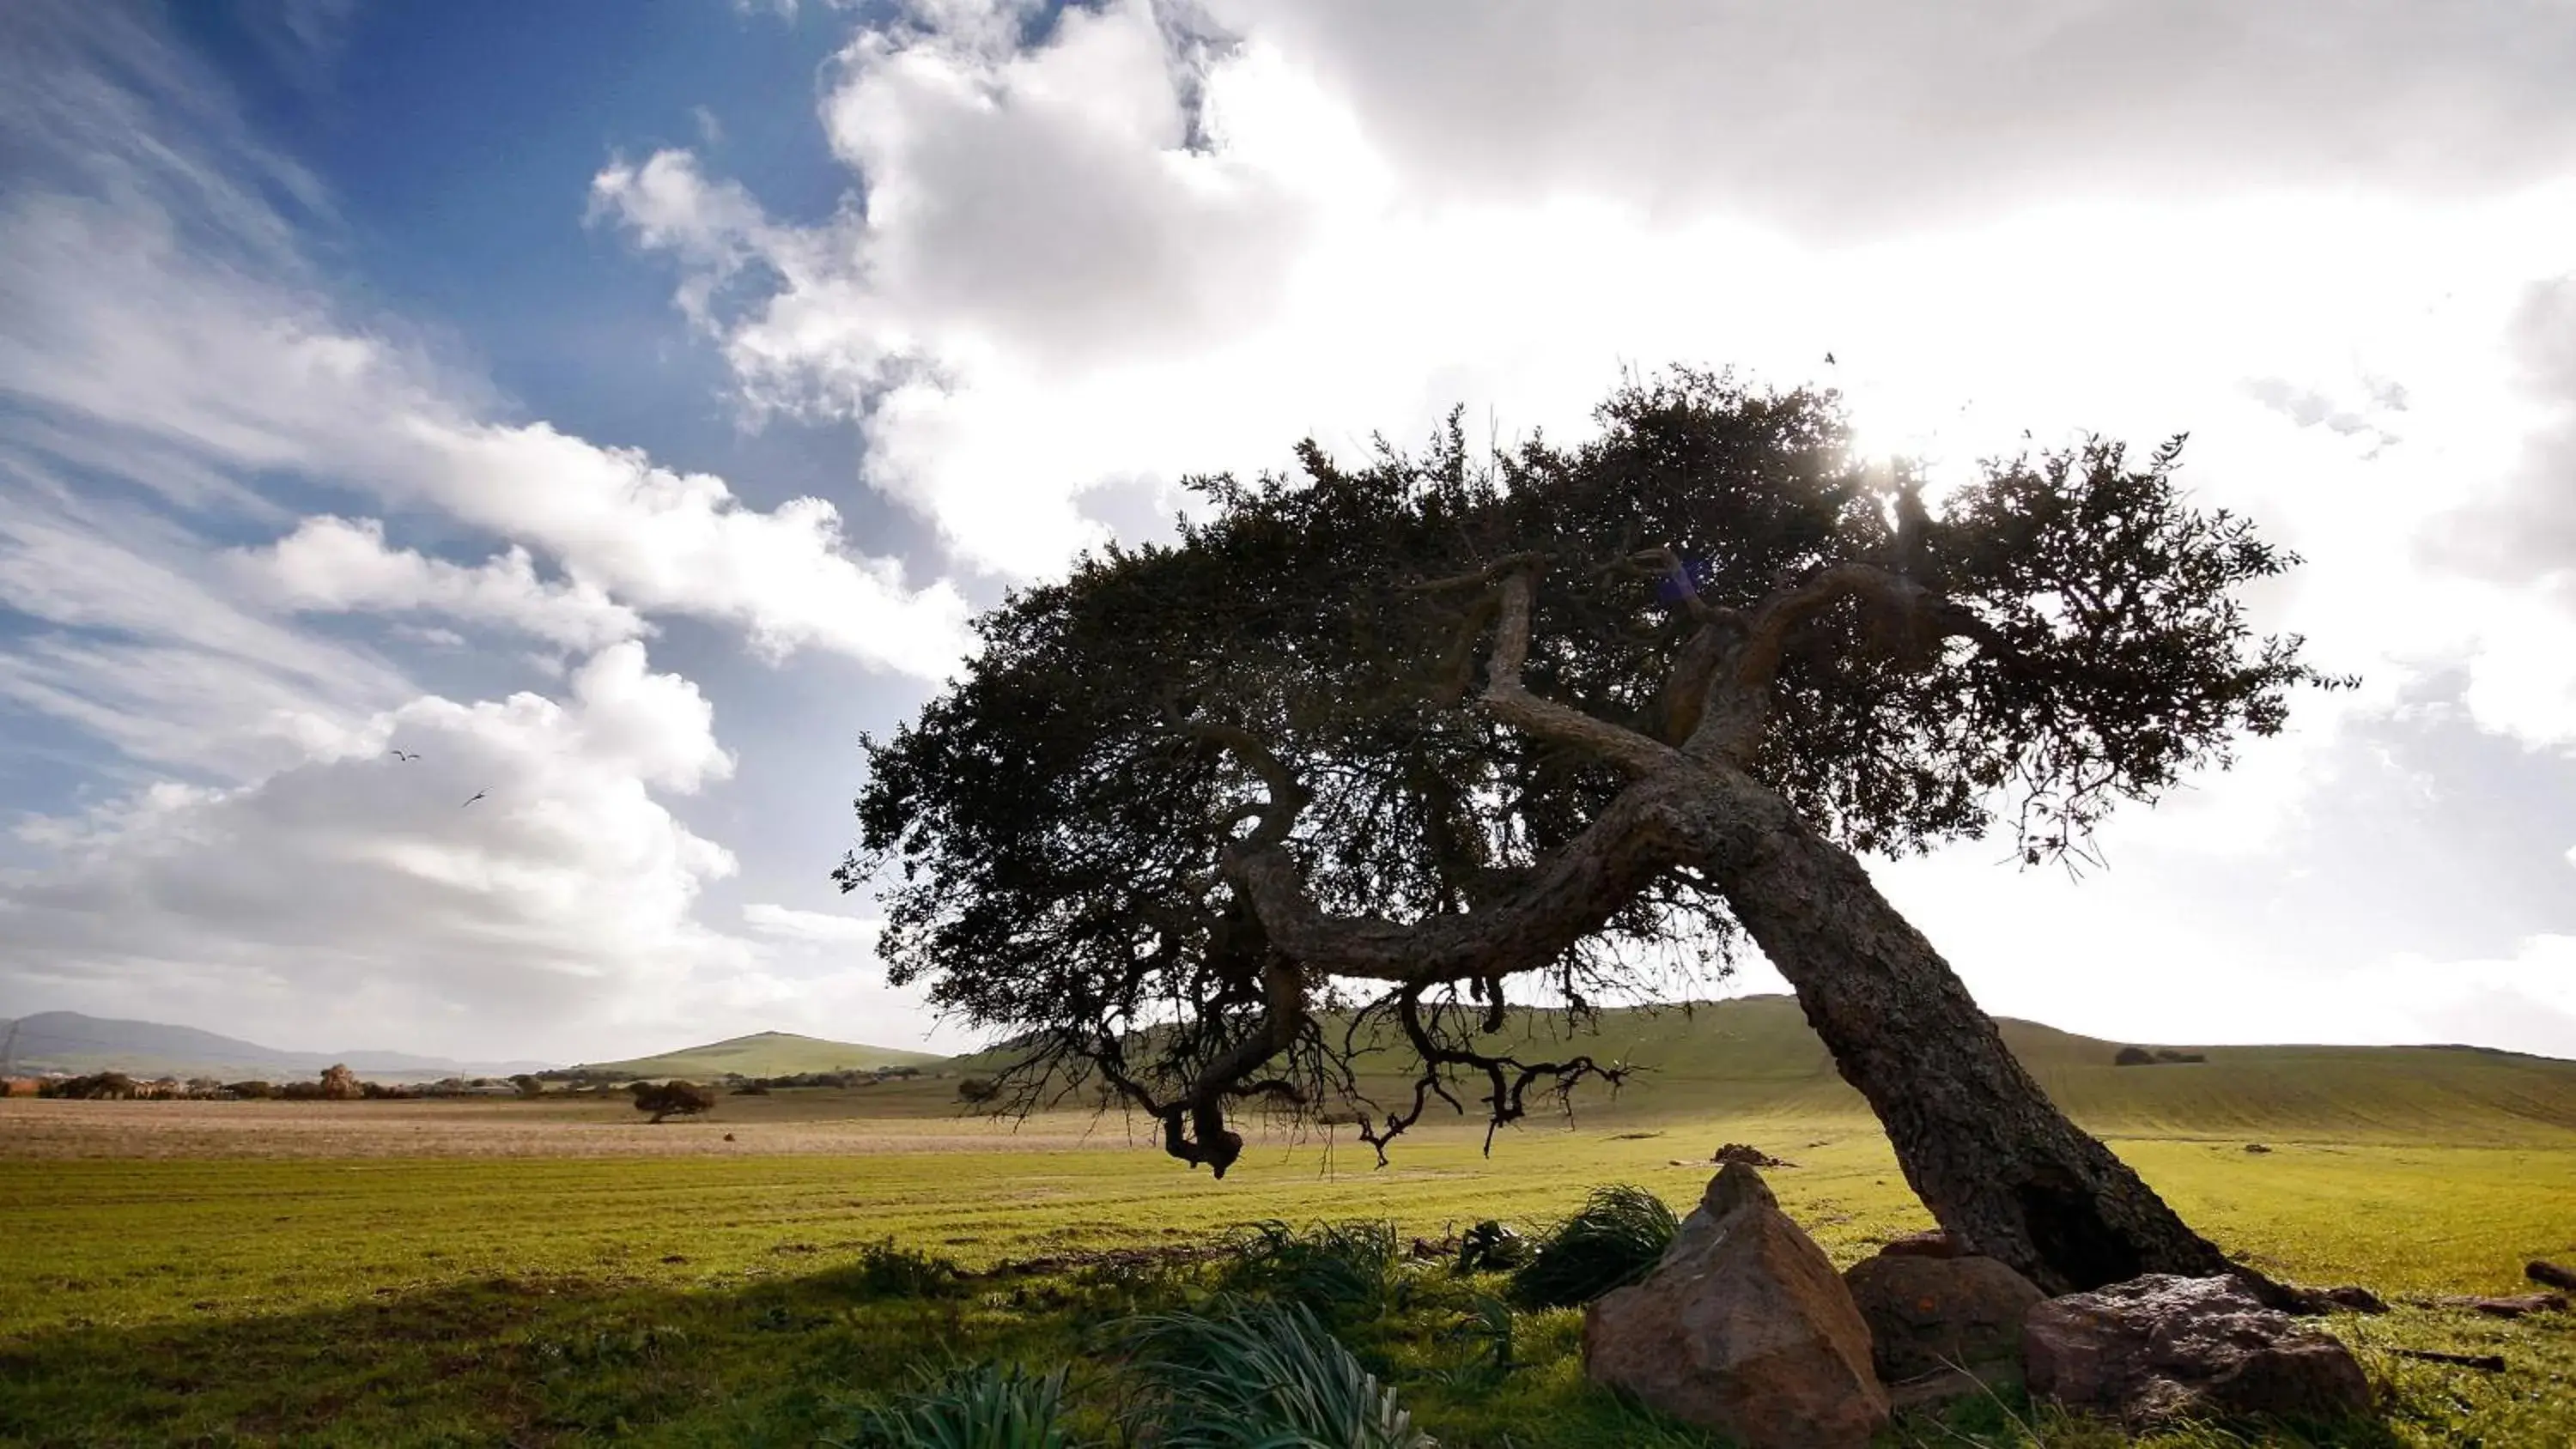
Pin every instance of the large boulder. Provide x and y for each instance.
(1927, 1315)
(1930, 1243)
(2162, 1347)
(1742, 1327)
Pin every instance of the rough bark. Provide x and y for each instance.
(1982, 1145)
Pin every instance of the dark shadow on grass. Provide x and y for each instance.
(550, 1361)
(540, 1361)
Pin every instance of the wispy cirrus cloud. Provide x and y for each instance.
(236, 503)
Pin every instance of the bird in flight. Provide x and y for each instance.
(405, 755)
(477, 795)
(1829, 359)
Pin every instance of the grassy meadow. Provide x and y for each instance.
(557, 1272)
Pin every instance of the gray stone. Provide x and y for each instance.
(1926, 1315)
(1742, 1327)
(2162, 1347)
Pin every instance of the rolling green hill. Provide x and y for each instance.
(1755, 1056)
(765, 1054)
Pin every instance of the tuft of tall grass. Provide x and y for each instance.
(1491, 1334)
(1612, 1242)
(1246, 1374)
(979, 1406)
(1352, 1268)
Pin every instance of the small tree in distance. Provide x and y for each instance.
(528, 1085)
(672, 1099)
(339, 1084)
(1368, 749)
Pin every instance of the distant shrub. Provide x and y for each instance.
(96, 1087)
(887, 1270)
(1612, 1242)
(2168, 1054)
(251, 1091)
(529, 1085)
(339, 1084)
(977, 1090)
(852, 1078)
(672, 1099)
(984, 1406)
(751, 1089)
(300, 1091)
(2133, 1056)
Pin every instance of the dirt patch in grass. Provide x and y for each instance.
(36, 1129)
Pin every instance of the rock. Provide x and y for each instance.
(1935, 1243)
(2300, 1301)
(1747, 1155)
(2550, 1274)
(1742, 1327)
(1926, 1315)
(2350, 1299)
(2161, 1347)
(2513, 1307)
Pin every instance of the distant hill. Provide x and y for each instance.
(71, 1042)
(765, 1054)
(1756, 1055)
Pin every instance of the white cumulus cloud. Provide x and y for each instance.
(330, 565)
(359, 885)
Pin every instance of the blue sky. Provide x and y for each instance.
(622, 407)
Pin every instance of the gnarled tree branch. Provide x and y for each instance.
(1512, 702)
(1737, 702)
(1508, 1078)
(1566, 898)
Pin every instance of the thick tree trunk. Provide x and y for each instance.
(1996, 1161)
(1982, 1145)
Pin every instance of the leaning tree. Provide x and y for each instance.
(1372, 752)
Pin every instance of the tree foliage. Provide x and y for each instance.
(1067, 838)
(339, 1084)
(672, 1099)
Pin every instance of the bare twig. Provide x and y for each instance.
(2489, 1363)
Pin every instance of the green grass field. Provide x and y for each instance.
(560, 1273)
